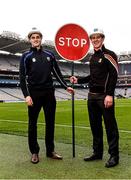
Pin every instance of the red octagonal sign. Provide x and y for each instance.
(72, 42)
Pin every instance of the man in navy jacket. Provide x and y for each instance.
(36, 68)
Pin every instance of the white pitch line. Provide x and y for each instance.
(59, 125)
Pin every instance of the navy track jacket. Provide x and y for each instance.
(36, 68)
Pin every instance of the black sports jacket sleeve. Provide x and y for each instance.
(22, 76)
(57, 73)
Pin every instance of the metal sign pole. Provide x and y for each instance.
(73, 116)
(72, 43)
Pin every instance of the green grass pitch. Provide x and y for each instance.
(14, 152)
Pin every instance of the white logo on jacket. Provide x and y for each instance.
(48, 58)
(33, 60)
(100, 60)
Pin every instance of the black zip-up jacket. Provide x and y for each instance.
(103, 72)
(36, 68)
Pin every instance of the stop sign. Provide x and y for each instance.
(72, 42)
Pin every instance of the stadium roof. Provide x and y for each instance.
(11, 42)
(12, 45)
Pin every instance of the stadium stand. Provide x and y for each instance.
(11, 94)
(9, 62)
(11, 47)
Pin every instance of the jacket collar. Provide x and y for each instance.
(102, 49)
(35, 49)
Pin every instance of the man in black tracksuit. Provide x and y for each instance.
(102, 81)
(36, 68)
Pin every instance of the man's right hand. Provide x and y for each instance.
(29, 101)
(73, 79)
(70, 90)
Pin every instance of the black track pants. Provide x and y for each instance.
(97, 110)
(45, 99)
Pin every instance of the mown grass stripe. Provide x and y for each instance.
(59, 125)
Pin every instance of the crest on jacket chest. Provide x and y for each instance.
(33, 60)
(100, 60)
(48, 58)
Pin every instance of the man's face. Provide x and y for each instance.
(97, 41)
(35, 40)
